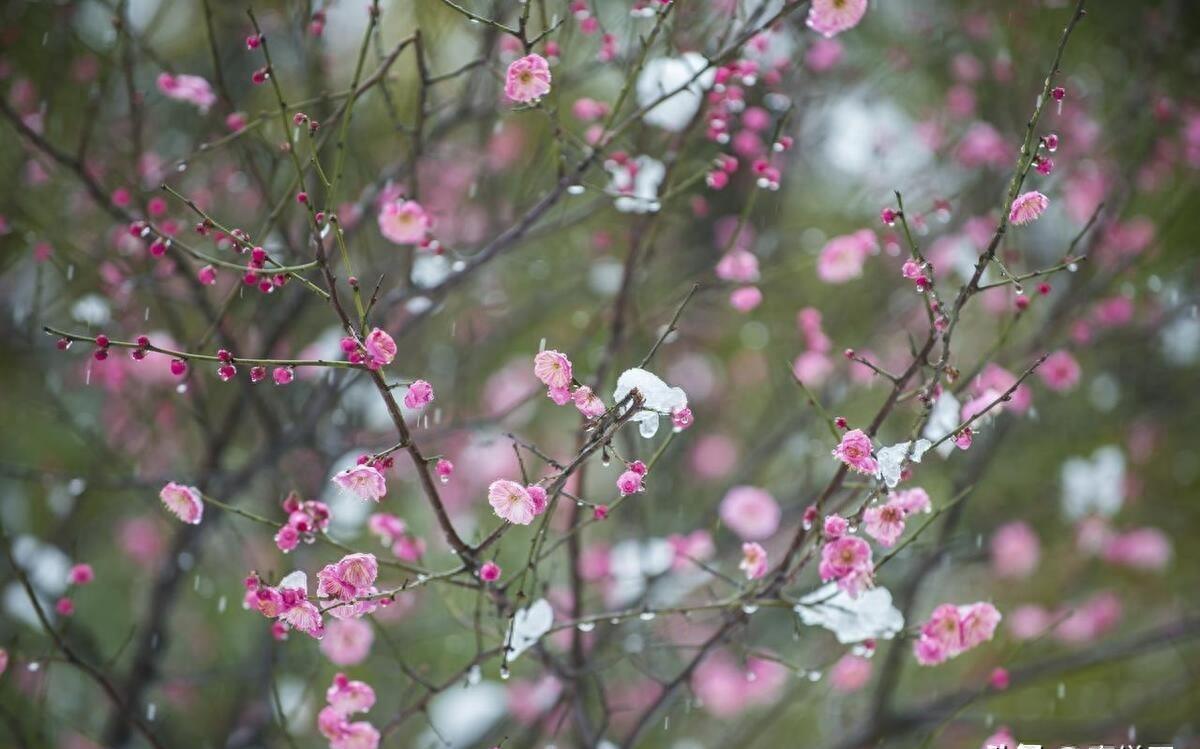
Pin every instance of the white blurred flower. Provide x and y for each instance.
(91, 309)
(460, 717)
(429, 270)
(666, 74)
(636, 189)
(1180, 341)
(632, 563)
(1094, 486)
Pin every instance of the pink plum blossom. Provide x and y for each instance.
(81, 574)
(832, 17)
(884, 523)
(347, 642)
(1027, 207)
(1060, 372)
(842, 257)
(855, 451)
(848, 561)
(528, 79)
(629, 482)
(190, 88)
(553, 369)
(1015, 550)
(1146, 549)
(588, 403)
(745, 298)
(348, 697)
(754, 560)
(511, 502)
(537, 494)
(952, 630)
(850, 674)
(349, 577)
(489, 572)
(419, 395)
(750, 512)
(381, 349)
(912, 500)
(835, 526)
(697, 545)
(363, 481)
(404, 222)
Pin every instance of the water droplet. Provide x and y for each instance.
(151, 711)
(575, 190)
(814, 676)
(33, 666)
(183, 165)
(504, 673)
(444, 479)
(586, 626)
(1062, 690)
(422, 579)
(749, 608)
(646, 616)
(1073, 267)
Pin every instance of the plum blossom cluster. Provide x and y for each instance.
(953, 630)
(346, 588)
(376, 350)
(287, 604)
(746, 129)
(630, 480)
(78, 576)
(306, 519)
(344, 699)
